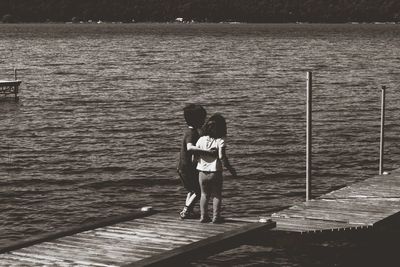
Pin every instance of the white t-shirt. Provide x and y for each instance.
(209, 163)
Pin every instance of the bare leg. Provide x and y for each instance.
(204, 179)
(217, 194)
(190, 181)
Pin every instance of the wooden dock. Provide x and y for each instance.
(367, 204)
(10, 87)
(143, 239)
(159, 239)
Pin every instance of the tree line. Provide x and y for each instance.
(200, 10)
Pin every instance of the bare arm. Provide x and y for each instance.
(222, 156)
(196, 150)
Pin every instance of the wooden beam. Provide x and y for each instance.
(205, 247)
(73, 230)
(9, 82)
(309, 138)
(382, 136)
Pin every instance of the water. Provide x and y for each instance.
(99, 122)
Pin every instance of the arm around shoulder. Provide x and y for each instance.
(196, 150)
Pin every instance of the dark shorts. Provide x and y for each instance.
(190, 179)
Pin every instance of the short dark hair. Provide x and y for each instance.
(195, 115)
(215, 126)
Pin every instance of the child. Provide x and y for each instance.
(210, 167)
(195, 116)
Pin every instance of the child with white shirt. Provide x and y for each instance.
(210, 166)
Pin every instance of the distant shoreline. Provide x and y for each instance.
(202, 11)
(194, 23)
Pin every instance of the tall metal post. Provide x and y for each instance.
(382, 141)
(309, 136)
(15, 74)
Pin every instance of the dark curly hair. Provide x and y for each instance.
(215, 126)
(195, 115)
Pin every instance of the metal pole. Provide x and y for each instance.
(309, 136)
(382, 141)
(15, 74)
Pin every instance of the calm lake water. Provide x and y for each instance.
(99, 122)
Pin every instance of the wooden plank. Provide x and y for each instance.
(204, 247)
(128, 247)
(122, 248)
(190, 224)
(11, 261)
(106, 256)
(37, 258)
(319, 215)
(84, 255)
(10, 82)
(315, 224)
(311, 225)
(160, 217)
(168, 235)
(73, 230)
(336, 212)
(382, 186)
(354, 204)
(139, 235)
(165, 231)
(24, 260)
(200, 228)
(131, 243)
(144, 238)
(73, 240)
(187, 223)
(310, 230)
(175, 225)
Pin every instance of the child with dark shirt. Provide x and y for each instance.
(195, 116)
